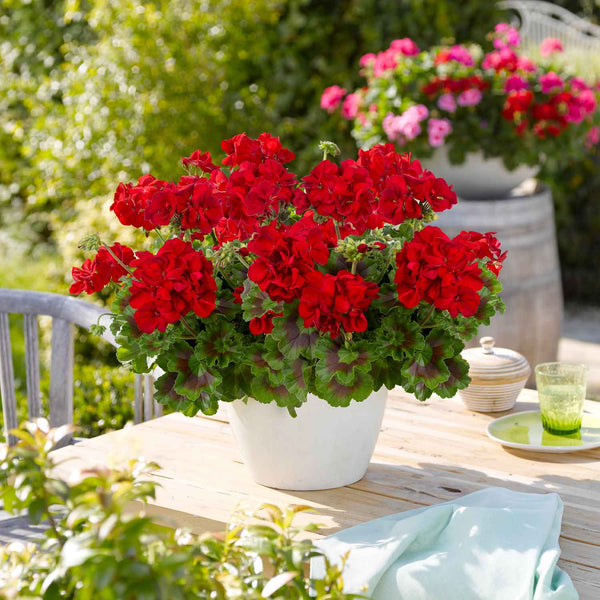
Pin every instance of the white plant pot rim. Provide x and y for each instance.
(479, 178)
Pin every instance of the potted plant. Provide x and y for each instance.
(295, 301)
(485, 121)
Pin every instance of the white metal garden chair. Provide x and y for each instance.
(539, 20)
(66, 312)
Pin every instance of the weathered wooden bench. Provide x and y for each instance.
(66, 312)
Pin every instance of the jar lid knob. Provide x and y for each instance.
(487, 343)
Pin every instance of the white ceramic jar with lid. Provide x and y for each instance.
(497, 377)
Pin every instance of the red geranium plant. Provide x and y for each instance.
(266, 286)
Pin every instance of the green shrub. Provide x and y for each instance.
(100, 92)
(95, 548)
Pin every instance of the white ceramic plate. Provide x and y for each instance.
(524, 430)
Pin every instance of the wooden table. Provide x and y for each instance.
(427, 453)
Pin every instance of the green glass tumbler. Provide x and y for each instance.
(561, 391)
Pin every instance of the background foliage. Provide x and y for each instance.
(96, 92)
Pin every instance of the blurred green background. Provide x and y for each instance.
(93, 93)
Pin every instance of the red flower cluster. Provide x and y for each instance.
(130, 201)
(286, 255)
(170, 284)
(549, 118)
(444, 272)
(94, 275)
(201, 160)
(381, 187)
(444, 84)
(241, 148)
(233, 206)
(330, 301)
(288, 230)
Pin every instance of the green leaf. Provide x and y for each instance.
(399, 336)
(458, 379)
(342, 361)
(265, 390)
(341, 394)
(293, 338)
(255, 302)
(387, 299)
(387, 372)
(219, 344)
(426, 366)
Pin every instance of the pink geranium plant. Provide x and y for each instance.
(466, 99)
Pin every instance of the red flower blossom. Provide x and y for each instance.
(198, 204)
(517, 103)
(284, 258)
(242, 148)
(444, 272)
(202, 160)
(130, 201)
(93, 275)
(329, 302)
(170, 284)
(264, 324)
(396, 201)
(344, 193)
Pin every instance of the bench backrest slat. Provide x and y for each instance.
(7, 379)
(32, 365)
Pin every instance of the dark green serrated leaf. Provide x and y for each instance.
(256, 303)
(458, 378)
(339, 394)
(335, 360)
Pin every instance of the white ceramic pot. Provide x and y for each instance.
(478, 177)
(323, 447)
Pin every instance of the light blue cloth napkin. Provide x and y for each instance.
(494, 544)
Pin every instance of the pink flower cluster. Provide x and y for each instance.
(470, 97)
(457, 53)
(406, 126)
(551, 82)
(437, 130)
(506, 36)
(580, 106)
(550, 45)
(447, 102)
(388, 59)
(332, 97)
(515, 83)
(350, 106)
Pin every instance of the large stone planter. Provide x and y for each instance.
(323, 447)
(478, 177)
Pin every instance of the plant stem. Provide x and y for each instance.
(117, 259)
(427, 317)
(59, 538)
(337, 229)
(187, 326)
(160, 236)
(226, 277)
(353, 270)
(242, 260)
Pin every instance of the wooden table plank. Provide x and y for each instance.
(427, 453)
